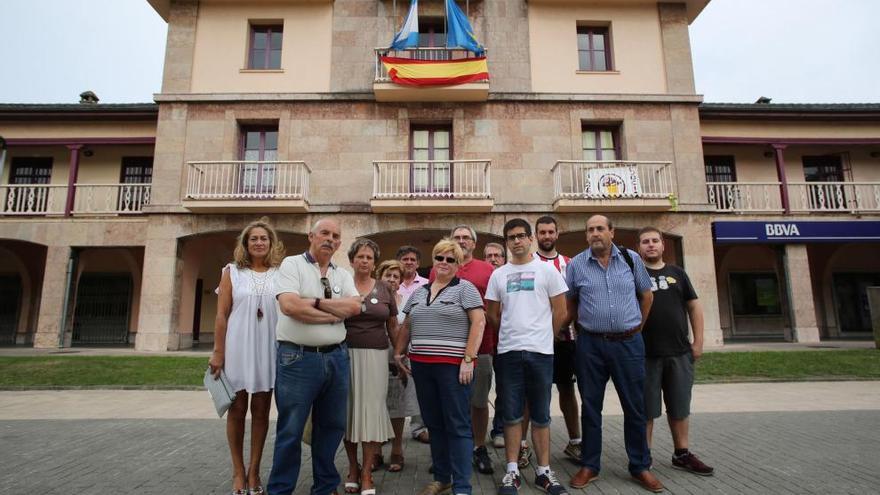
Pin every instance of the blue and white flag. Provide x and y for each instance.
(460, 33)
(408, 36)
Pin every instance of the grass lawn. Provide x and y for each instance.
(22, 372)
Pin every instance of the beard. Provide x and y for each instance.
(547, 245)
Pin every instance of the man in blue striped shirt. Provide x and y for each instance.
(610, 297)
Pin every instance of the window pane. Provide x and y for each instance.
(589, 139)
(274, 59)
(607, 139)
(420, 154)
(420, 176)
(420, 139)
(252, 155)
(590, 155)
(252, 140)
(258, 59)
(584, 61)
(441, 139)
(441, 153)
(598, 41)
(259, 40)
(583, 41)
(599, 60)
(276, 41)
(271, 140)
(270, 155)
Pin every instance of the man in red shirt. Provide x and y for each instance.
(478, 272)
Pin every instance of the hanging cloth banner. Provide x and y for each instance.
(613, 182)
(408, 37)
(412, 72)
(460, 33)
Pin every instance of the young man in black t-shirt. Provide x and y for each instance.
(669, 354)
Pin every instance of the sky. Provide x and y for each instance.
(793, 51)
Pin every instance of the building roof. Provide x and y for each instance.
(783, 111)
(79, 111)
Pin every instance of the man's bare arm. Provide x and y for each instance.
(493, 313)
(645, 305)
(303, 309)
(560, 313)
(695, 313)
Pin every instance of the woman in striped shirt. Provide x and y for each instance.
(444, 325)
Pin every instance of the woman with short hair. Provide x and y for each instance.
(367, 337)
(444, 326)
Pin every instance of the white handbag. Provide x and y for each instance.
(220, 391)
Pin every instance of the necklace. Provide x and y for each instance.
(260, 289)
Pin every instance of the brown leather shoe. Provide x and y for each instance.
(582, 478)
(649, 481)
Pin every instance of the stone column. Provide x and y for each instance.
(157, 323)
(700, 256)
(52, 298)
(800, 294)
(676, 48)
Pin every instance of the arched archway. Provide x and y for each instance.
(573, 242)
(751, 292)
(22, 265)
(203, 256)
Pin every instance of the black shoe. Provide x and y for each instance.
(550, 484)
(482, 461)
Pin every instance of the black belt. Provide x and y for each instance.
(311, 348)
(611, 336)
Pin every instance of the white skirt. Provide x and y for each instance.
(368, 419)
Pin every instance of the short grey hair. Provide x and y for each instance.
(463, 226)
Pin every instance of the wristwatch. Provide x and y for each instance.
(468, 359)
(317, 302)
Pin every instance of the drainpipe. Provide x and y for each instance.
(68, 288)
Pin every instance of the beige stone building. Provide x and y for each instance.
(116, 219)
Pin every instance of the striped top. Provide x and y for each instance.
(560, 262)
(607, 297)
(439, 329)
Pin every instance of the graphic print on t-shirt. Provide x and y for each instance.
(520, 281)
(661, 283)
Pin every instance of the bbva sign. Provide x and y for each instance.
(781, 229)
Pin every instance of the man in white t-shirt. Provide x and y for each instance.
(526, 301)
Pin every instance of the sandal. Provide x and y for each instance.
(369, 491)
(257, 490)
(353, 486)
(378, 463)
(395, 463)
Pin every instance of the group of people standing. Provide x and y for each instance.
(351, 356)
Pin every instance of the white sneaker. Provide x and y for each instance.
(498, 441)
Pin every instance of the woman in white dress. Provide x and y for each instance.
(244, 345)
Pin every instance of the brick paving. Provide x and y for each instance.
(753, 452)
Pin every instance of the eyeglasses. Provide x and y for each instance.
(520, 236)
(445, 258)
(328, 292)
(463, 238)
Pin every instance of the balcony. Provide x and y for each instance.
(745, 197)
(432, 186)
(247, 187)
(90, 199)
(613, 185)
(385, 90)
(803, 197)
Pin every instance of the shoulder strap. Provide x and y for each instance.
(629, 261)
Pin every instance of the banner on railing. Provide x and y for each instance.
(612, 183)
(411, 72)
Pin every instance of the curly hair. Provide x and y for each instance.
(389, 266)
(358, 244)
(276, 247)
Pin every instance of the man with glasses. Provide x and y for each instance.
(493, 253)
(312, 372)
(527, 304)
(477, 272)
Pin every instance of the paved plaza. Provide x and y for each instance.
(762, 438)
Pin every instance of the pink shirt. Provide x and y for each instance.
(407, 290)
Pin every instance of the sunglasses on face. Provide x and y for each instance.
(328, 292)
(520, 236)
(444, 258)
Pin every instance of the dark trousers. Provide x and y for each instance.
(624, 362)
(446, 411)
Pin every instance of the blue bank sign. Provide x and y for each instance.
(794, 232)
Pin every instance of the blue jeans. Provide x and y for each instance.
(446, 410)
(525, 378)
(309, 382)
(624, 362)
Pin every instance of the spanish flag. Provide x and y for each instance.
(412, 72)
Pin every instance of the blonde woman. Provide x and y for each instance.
(244, 345)
(401, 400)
(444, 325)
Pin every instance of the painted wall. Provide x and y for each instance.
(103, 167)
(789, 129)
(637, 50)
(222, 40)
(753, 166)
(77, 129)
